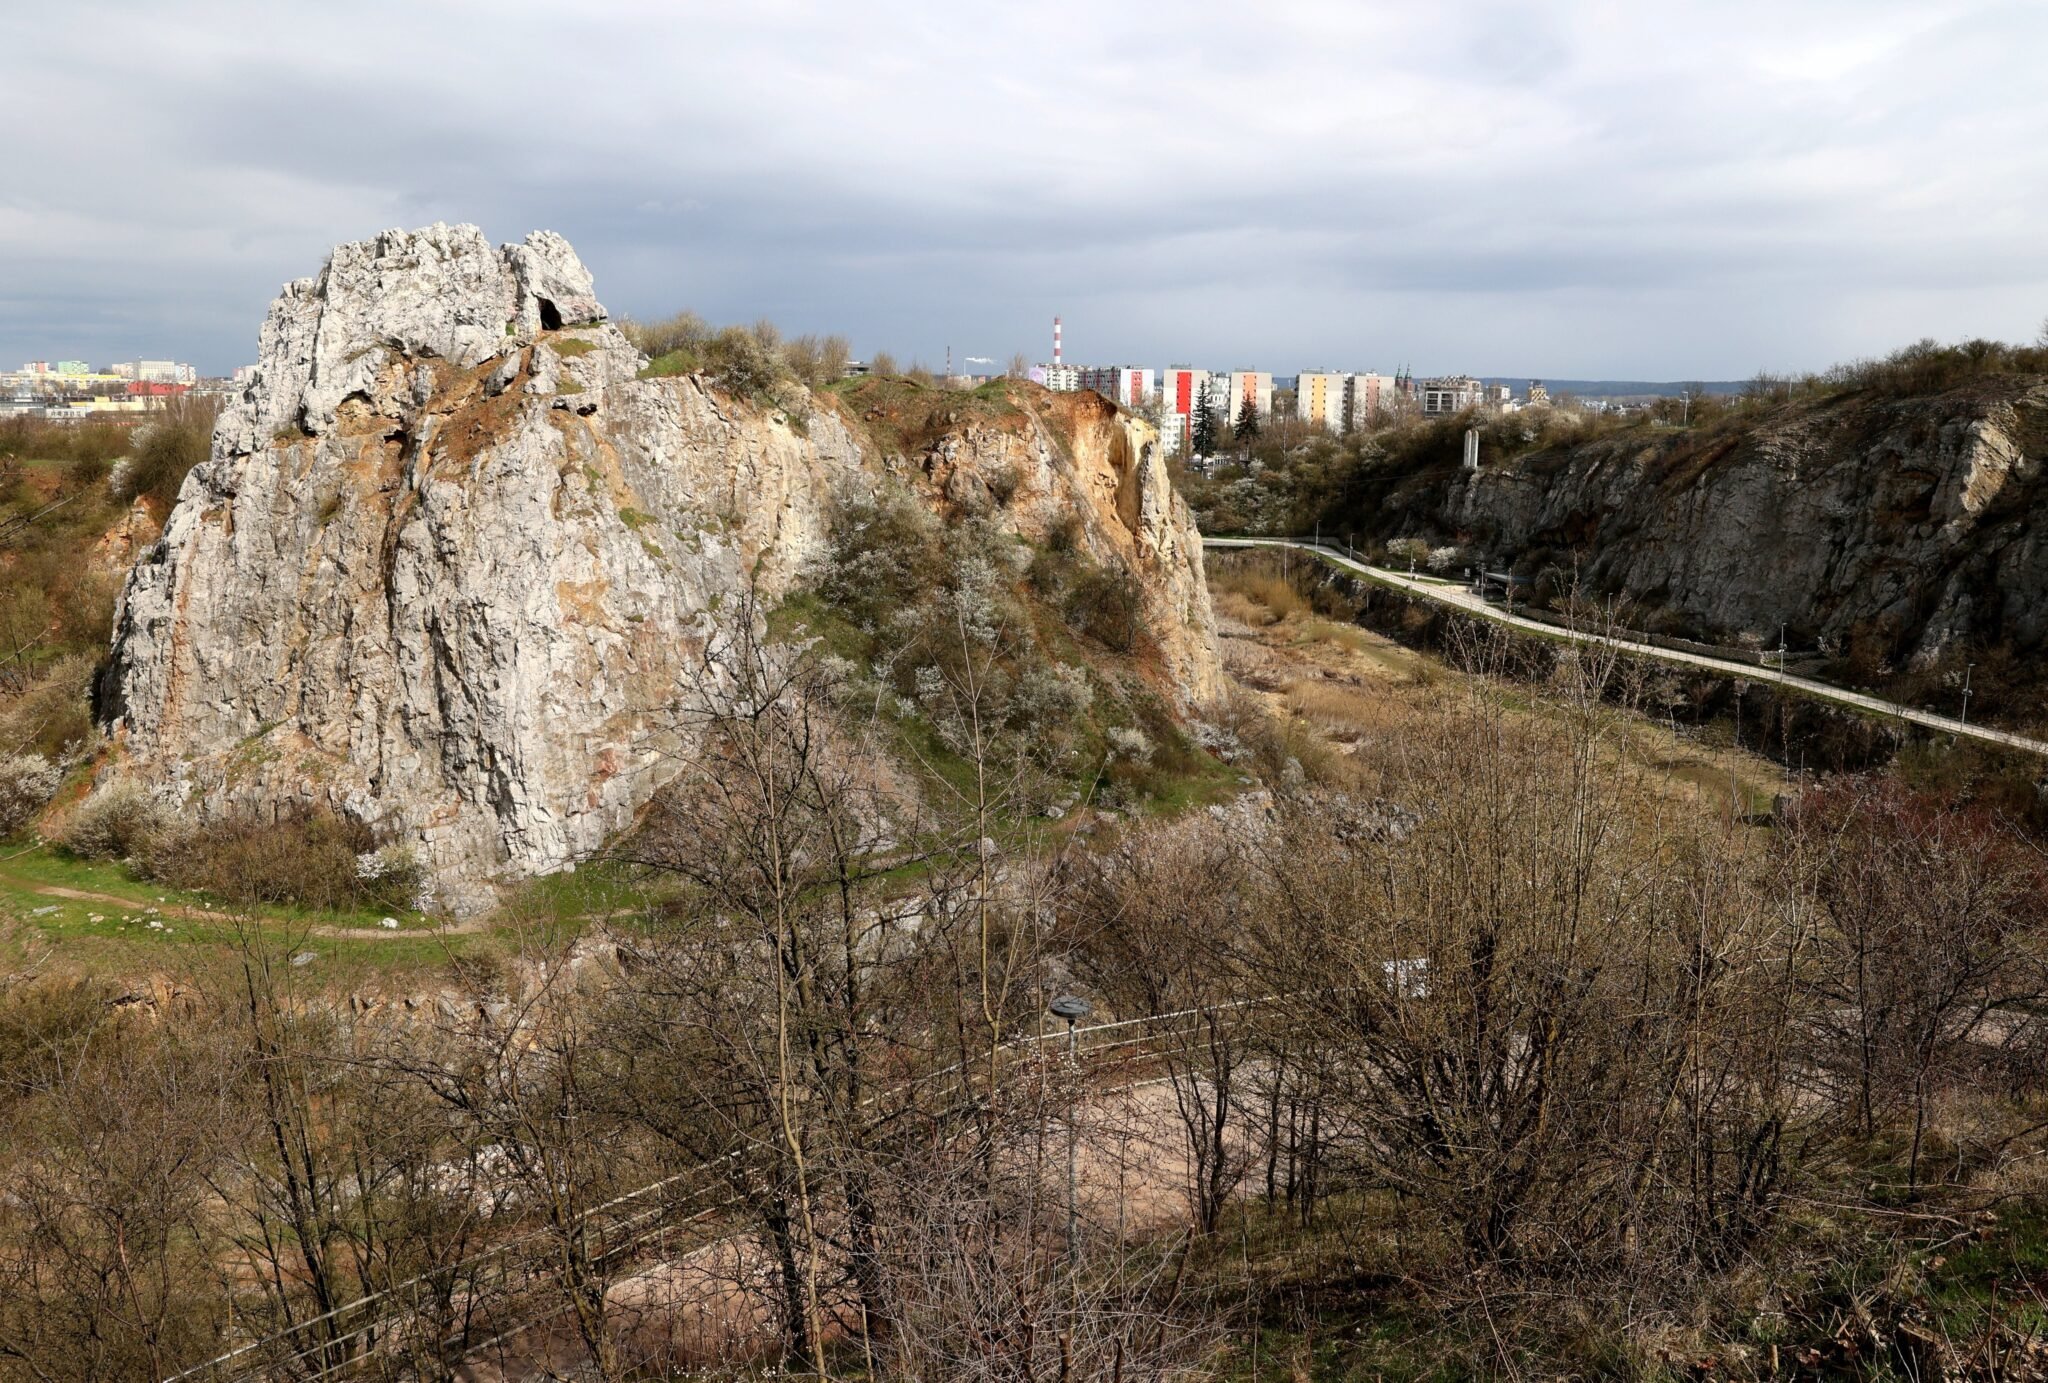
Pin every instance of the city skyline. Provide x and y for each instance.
(1596, 193)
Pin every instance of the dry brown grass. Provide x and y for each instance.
(1264, 596)
(1343, 711)
(1362, 697)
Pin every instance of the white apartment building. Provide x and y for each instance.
(1319, 399)
(155, 371)
(1181, 390)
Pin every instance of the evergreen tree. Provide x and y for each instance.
(1247, 420)
(1204, 427)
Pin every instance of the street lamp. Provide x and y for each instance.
(1073, 1008)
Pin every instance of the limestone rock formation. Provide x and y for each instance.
(450, 557)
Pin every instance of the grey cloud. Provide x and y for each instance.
(1685, 190)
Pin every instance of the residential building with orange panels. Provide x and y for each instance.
(1319, 399)
(1250, 386)
(1374, 395)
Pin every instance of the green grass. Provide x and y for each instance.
(571, 346)
(100, 934)
(597, 890)
(2000, 1276)
(674, 363)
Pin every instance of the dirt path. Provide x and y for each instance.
(192, 914)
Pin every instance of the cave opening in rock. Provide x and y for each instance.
(550, 316)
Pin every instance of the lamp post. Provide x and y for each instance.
(1073, 1008)
(1967, 669)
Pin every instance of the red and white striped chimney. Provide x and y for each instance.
(1055, 340)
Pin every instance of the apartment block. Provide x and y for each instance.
(1319, 399)
(1249, 386)
(1181, 390)
(1374, 396)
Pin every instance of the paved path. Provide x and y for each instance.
(1458, 597)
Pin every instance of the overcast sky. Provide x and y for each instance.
(1574, 189)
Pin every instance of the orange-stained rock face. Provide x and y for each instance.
(1046, 457)
(115, 551)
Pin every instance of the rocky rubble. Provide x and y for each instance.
(451, 558)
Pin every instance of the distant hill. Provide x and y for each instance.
(1617, 388)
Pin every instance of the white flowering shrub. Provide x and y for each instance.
(118, 821)
(1129, 744)
(1408, 550)
(27, 782)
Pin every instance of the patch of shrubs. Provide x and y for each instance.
(888, 554)
(1107, 606)
(752, 362)
(305, 858)
(45, 710)
(165, 452)
(119, 822)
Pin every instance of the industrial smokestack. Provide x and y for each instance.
(1055, 340)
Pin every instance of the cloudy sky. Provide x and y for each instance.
(1572, 189)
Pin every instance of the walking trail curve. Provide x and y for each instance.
(1461, 599)
(192, 914)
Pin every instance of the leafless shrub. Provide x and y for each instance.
(309, 859)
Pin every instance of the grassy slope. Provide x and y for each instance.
(152, 929)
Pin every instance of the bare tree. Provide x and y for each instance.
(1932, 917)
(1159, 927)
(109, 1267)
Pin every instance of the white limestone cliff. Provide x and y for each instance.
(450, 558)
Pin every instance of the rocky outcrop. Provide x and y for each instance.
(451, 558)
(1077, 457)
(1895, 529)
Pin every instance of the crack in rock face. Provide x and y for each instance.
(450, 559)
